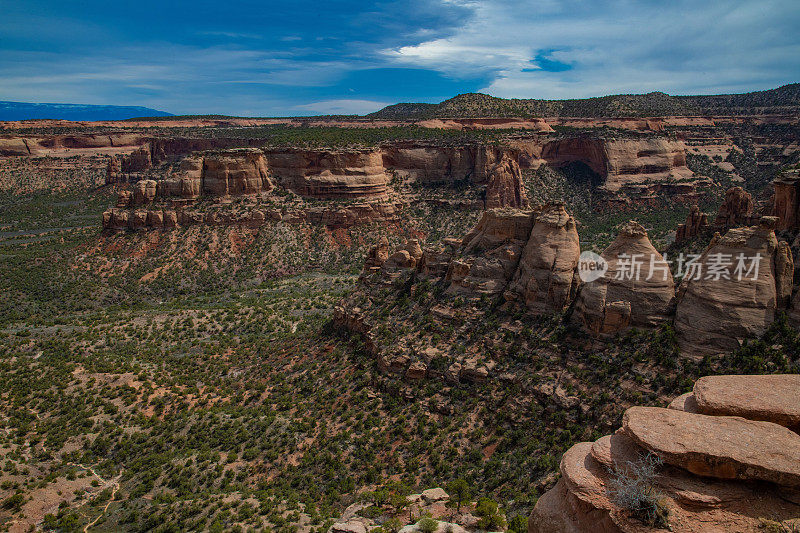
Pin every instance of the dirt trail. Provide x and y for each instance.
(114, 488)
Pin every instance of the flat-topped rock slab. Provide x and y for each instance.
(725, 447)
(582, 475)
(773, 398)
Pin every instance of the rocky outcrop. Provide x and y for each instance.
(494, 168)
(491, 252)
(618, 163)
(636, 290)
(695, 223)
(235, 173)
(433, 164)
(546, 278)
(736, 209)
(777, 400)
(489, 260)
(404, 258)
(588, 150)
(726, 447)
(376, 257)
(330, 174)
(128, 168)
(499, 226)
(739, 282)
(717, 473)
(504, 187)
(786, 202)
(645, 160)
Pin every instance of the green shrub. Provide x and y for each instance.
(428, 525)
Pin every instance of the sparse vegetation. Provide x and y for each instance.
(632, 487)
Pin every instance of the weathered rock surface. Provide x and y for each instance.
(376, 256)
(684, 402)
(627, 295)
(546, 278)
(619, 163)
(716, 310)
(330, 173)
(504, 187)
(405, 258)
(695, 223)
(637, 161)
(736, 209)
(724, 447)
(752, 460)
(491, 252)
(435, 495)
(786, 202)
(771, 398)
(235, 173)
(352, 526)
(499, 226)
(494, 168)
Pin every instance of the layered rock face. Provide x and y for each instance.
(128, 168)
(504, 186)
(547, 278)
(235, 173)
(724, 470)
(716, 311)
(433, 164)
(492, 167)
(526, 255)
(620, 163)
(636, 290)
(638, 161)
(777, 400)
(491, 252)
(319, 174)
(590, 151)
(330, 174)
(91, 143)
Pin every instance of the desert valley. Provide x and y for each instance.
(382, 323)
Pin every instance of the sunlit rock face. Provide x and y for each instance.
(716, 315)
(636, 290)
(546, 278)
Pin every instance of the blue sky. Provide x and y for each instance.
(250, 58)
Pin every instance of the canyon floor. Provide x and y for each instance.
(194, 378)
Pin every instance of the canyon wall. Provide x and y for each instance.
(353, 175)
(330, 174)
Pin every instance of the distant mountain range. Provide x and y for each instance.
(780, 101)
(28, 111)
(784, 100)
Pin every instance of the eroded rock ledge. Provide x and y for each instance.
(352, 186)
(527, 261)
(719, 473)
(622, 170)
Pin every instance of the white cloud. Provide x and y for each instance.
(618, 46)
(342, 107)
